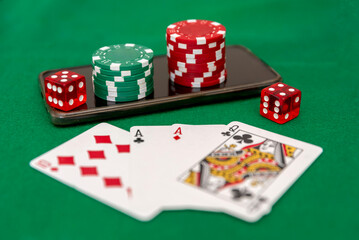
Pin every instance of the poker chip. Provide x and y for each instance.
(146, 74)
(128, 84)
(106, 97)
(195, 32)
(207, 67)
(110, 91)
(203, 58)
(196, 70)
(124, 91)
(122, 72)
(195, 49)
(196, 53)
(187, 78)
(189, 61)
(180, 73)
(121, 96)
(120, 57)
(198, 60)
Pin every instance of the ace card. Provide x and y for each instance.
(159, 154)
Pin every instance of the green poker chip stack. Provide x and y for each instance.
(122, 72)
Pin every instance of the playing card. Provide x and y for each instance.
(250, 169)
(237, 169)
(95, 163)
(159, 154)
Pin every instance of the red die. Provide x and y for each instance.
(280, 102)
(65, 90)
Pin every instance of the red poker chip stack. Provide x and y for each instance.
(196, 53)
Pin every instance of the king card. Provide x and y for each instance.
(251, 169)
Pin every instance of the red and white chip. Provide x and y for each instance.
(200, 84)
(197, 50)
(196, 53)
(179, 72)
(196, 32)
(207, 57)
(190, 79)
(196, 67)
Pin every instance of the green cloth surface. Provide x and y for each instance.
(312, 44)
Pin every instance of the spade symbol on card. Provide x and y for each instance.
(240, 193)
(245, 138)
(138, 140)
(138, 137)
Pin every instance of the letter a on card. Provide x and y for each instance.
(177, 133)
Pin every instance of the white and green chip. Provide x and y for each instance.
(121, 57)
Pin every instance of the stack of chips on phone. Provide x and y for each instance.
(196, 53)
(122, 72)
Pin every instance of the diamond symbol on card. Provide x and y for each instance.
(54, 169)
(43, 163)
(68, 160)
(88, 171)
(123, 148)
(103, 139)
(96, 154)
(112, 182)
(177, 137)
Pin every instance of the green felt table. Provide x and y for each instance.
(312, 44)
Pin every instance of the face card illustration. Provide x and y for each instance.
(241, 167)
(250, 168)
(95, 163)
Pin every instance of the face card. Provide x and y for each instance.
(95, 163)
(250, 170)
(159, 154)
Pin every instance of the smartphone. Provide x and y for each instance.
(246, 76)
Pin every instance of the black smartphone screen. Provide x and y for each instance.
(246, 75)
